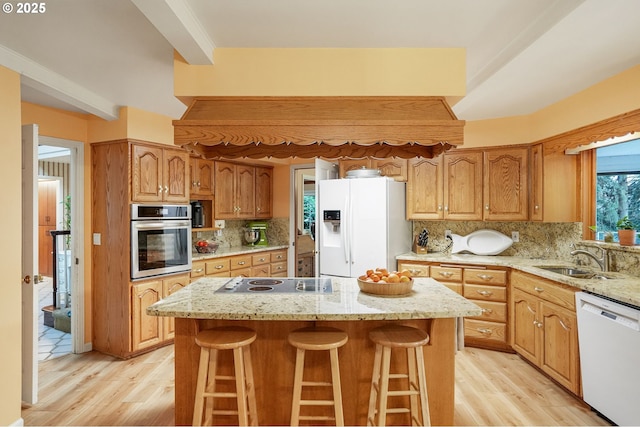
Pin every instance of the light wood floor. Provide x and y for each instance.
(492, 389)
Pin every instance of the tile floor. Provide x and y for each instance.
(51, 342)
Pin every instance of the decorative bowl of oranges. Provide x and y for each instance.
(206, 246)
(387, 283)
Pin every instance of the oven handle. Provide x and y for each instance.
(157, 225)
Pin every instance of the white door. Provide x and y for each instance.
(29, 264)
(324, 170)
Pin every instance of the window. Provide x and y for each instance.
(617, 186)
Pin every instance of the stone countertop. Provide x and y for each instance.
(619, 286)
(428, 299)
(237, 250)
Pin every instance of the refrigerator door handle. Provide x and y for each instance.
(345, 230)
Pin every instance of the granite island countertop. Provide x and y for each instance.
(428, 300)
(619, 286)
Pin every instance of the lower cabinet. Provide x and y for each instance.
(544, 327)
(148, 331)
(257, 263)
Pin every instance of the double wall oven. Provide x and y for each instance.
(160, 239)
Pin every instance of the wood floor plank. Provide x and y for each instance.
(492, 389)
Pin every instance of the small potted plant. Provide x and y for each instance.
(626, 232)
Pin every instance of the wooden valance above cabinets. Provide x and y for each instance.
(328, 127)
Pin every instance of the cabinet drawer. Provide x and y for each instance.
(260, 259)
(455, 287)
(485, 277)
(416, 270)
(279, 267)
(449, 274)
(240, 261)
(278, 256)
(546, 290)
(197, 269)
(244, 272)
(487, 293)
(216, 266)
(493, 311)
(261, 271)
(488, 331)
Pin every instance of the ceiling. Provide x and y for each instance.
(94, 56)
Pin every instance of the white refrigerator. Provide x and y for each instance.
(361, 225)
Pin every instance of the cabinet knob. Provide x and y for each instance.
(166, 189)
(537, 289)
(445, 273)
(487, 311)
(439, 207)
(485, 293)
(485, 276)
(219, 267)
(446, 208)
(241, 263)
(257, 209)
(486, 207)
(536, 207)
(261, 259)
(485, 331)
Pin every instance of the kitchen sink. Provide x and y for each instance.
(574, 272)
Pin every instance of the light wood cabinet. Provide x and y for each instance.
(150, 331)
(125, 171)
(243, 191)
(159, 174)
(446, 187)
(202, 175)
(485, 286)
(392, 168)
(256, 263)
(505, 185)
(470, 185)
(544, 327)
(264, 192)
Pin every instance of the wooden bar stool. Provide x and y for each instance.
(211, 341)
(320, 338)
(412, 339)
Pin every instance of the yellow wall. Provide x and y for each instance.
(324, 72)
(611, 97)
(132, 123)
(11, 247)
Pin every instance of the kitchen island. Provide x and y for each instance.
(430, 306)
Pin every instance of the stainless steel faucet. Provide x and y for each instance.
(603, 261)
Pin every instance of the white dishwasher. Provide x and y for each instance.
(609, 337)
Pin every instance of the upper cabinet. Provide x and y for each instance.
(392, 168)
(445, 187)
(241, 189)
(506, 188)
(469, 185)
(264, 192)
(202, 174)
(159, 174)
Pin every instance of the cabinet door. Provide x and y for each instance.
(224, 184)
(202, 175)
(245, 191)
(393, 168)
(463, 186)
(146, 174)
(264, 192)
(170, 286)
(526, 332)
(560, 353)
(425, 189)
(147, 330)
(175, 177)
(505, 185)
(537, 188)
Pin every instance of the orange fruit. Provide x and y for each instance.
(393, 278)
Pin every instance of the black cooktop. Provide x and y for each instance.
(277, 285)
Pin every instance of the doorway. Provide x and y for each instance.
(60, 209)
(303, 220)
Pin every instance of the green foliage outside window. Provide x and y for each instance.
(617, 196)
(308, 211)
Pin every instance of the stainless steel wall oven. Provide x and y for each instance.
(160, 239)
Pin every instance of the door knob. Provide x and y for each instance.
(27, 279)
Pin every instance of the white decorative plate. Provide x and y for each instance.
(481, 242)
